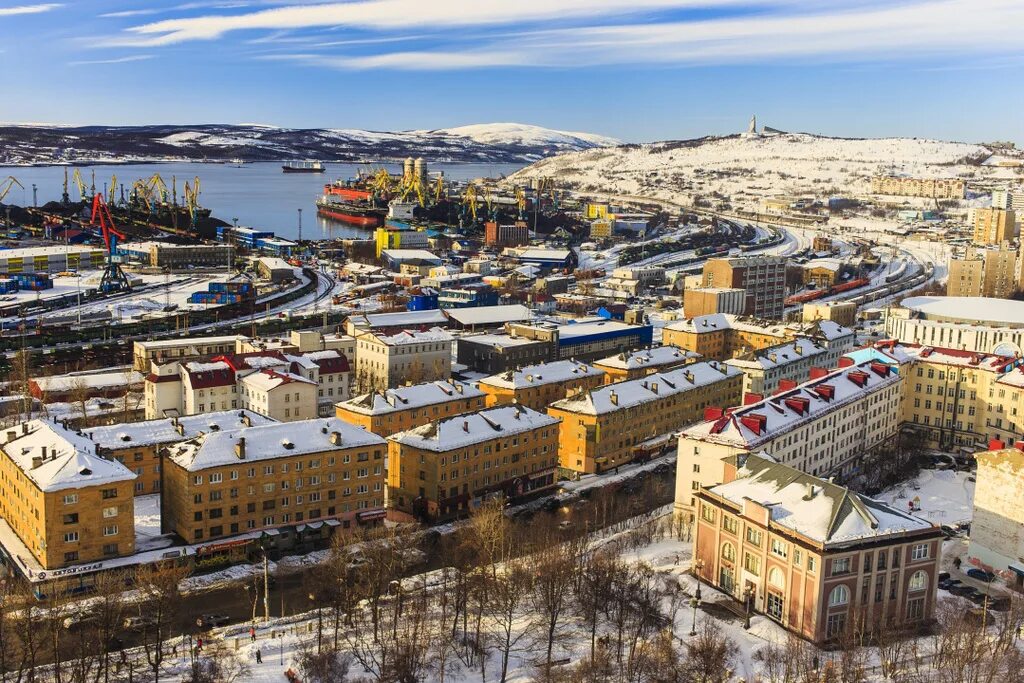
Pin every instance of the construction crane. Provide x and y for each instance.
(7, 185)
(76, 177)
(113, 279)
(64, 198)
(157, 184)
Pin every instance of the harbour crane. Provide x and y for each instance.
(7, 185)
(64, 198)
(112, 190)
(521, 202)
(76, 177)
(192, 201)
(439, 189)
(113, 278)
(469, 200)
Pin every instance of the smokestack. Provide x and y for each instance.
(240, 448)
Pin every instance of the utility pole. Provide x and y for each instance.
(34, 202)
(300, 225)
(266, 588)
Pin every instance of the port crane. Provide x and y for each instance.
(469, 200)
(521, 202)
(7, 185)
(80, 183)
(192, 200)
(439, 189)
(113, 279)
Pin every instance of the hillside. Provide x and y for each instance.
(746, 168)
(503, 142)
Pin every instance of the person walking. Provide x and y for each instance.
(252, 634)
(259, 656)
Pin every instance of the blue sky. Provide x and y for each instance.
(634, 69)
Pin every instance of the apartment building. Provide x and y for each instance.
(403, 408)
(446, 468)
(842, 313)
(538, 386)
(763, 278)
(219, 383)
(994, 226)
(938, 188)
(615, 424)
(635, 280)
(1008, 199)
(997, 523)
(408, 357)
(296, 474)
(813, 556)
(708, 300)
(823, 427)
(984, 272)
(137, 445)
(636, 364)
(188, 348)
(763, 370)
(62, 502)
(724, 336)
(284, 396)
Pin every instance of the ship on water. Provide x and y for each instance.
(349, 204)
(303, 167)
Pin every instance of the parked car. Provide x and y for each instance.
(212, 620)
(948, 584)
(943, 576)
(139, 623)
(961, 589)
(80, 618)
(980, 575)
(948, 531)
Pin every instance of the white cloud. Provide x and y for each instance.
(29, 9)
(115, 60)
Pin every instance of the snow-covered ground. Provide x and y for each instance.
(940, 496)
(147, 523)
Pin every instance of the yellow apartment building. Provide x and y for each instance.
(636, 364)
(538, 386)
(65, 504)
(306, 473)
(614, 424)
(446, 468)
(397, 410)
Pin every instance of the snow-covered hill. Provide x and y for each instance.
(502, 142)
(745, 168)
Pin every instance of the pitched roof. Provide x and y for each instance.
(414, 396)
(543, 373)
(465, 430)
(56, 458)
(648, 358)
(171, 429)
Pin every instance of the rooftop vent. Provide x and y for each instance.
(287, 444)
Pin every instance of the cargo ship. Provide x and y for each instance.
(362, 215)
(303, 167)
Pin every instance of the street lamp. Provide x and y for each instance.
(698, 569)
(280, 645)
(694, 603)
(748, 595)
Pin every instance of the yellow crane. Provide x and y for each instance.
(112, 190)
(382, 183)
(469, 200)
(413, 186)
(192, 198)
(76, 177)
(438, 189)
(7, 185)
(521, 201)
(156, 183)
(141, 194)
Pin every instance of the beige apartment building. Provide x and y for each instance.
(810, 555)
(997, 523)
(538, 386)
(282, 396)
(725, 336)
(408, 357)
(994, 226)
(400, 409)
(615, 424)
(295, 474)
(188, 348)
(637, 364)
(64, 503)
(708, 300)
(445, 469)
(988, 272)
(824, 427)
(938, 188)
(765, 370)
(840, 312)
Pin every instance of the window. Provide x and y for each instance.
(920, 552)
(918, 581)
(779, 548)
(71, 519)
(110, 530)
(729, 524)
(707, 513)
(109, 493)
(753, 536)
(752, 563)
(812, 564)
(840, 566)
(71, 499)
(776, 579)
(773, 606)
(835, 624)
(839, 596)
(71, 556)
(197, 479)
(110, 512)
(915, 609)
(71, 537)
(729, 552)
(216, 478)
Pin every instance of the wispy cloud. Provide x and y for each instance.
(29, 9)
(115, 60)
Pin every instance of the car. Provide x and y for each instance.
(661, 468)
(550, 505)
(961, 589)
(981, 575)
(948, 531)
(564, 525)
(139, 623)
(943, 576)
(212, 620)
(948, 584)
(80, 618)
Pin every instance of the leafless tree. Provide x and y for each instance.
(712, 655)
(78, 395)
(554, 574)
(505, 595)
(216, 664)
(327, 666)
(160, 594)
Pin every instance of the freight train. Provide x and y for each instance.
(819, 293)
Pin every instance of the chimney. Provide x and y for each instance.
(336, 438)
(24, 428)
(36, 461)
(465, 425)
(654, 387)
(809, 493)
(44, 449)
(798, 350)
(12, 435)
(240, 448)
(613, 397)
(247, 420)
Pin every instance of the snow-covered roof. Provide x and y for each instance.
(542, 373)
(408, 398)
(434, 334)
(489, 315)
(714, 322)
(545, 254)
(171, 430)
(602, 325)
(205, 341)
(779, 356)
(465, 430)
(400, 319)
(755, 424)
(275, 263)
(834, 265)
(270, 441)
(410, 255)
(897, 353)
(827, 513)
(648, 358)
(621, 395)
(55, 458)
(968, 309)
(267, 380)
(98, 380)
(499, 340)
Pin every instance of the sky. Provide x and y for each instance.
(637, 70)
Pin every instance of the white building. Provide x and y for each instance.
(997, 526)
(387, 361)
(763, 370)
(822, 427)
(963, 323)
(280, 395)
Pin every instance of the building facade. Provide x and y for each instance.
(222, 484)
(997, 523)
(387, 361)
(724, 336)
(397, 410)
(636, 364)
(814, 557)
(447, 468)
(763, 278)
(707, 300)
(618, 423)
(764, 370)
(994, 226)
(840, 312)
(984, 272)
(538, 386)
(900, 186)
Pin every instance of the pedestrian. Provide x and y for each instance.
(259, 656)
(252, 634)
(199, 644)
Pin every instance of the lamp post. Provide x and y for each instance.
(280, 645)
(694, 603)
(748, 594)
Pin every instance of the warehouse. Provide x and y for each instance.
(50, 259)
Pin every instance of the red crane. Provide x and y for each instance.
(113, 279)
